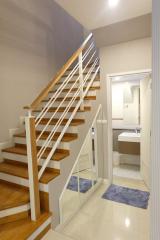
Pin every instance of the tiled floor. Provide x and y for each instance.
(52, 235)
(69, 197)
(127, 171)
(100, 219)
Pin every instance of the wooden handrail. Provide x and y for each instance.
(58, 76)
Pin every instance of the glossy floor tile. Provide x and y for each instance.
(69, 196)
(101, 219)
(127, 171)
(51, 235)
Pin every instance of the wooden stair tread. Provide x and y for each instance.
(74, 122)
(22, 150)
(70, 98)
(21, 170)
(22, 229)
(77, 74)
(75, 89)
(66, 138)
(62, 109)
(12, 195)
(88, 67)
(97, 79)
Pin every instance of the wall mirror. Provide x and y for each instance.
(85, 175)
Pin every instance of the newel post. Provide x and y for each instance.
(80, 59)
(32, 166)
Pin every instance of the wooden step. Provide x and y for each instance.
(62, 109)
(12, 195)
(21, 170)
(77, 74)
(14, 217)
(75, 89)
(74, 122)
(97, 79)
(22, 229)
(88, 67)
(68, 137)
(70, 98)
(22, 150)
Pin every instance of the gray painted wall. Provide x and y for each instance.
(129, 30)
(155, 131)
(36, 39)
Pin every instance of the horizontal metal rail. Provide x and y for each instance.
(66, 125)
(51, 135)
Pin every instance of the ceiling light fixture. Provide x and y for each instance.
(113, 3)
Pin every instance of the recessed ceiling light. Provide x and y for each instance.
(113, 3)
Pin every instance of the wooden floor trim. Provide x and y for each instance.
(43, 233)
(14, 217)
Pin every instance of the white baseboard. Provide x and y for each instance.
(106, 181)
(11, 131)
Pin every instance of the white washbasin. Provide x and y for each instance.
(129, 137)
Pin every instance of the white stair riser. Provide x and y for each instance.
(76, 76)
(22, 181)
(59, 114)
(62, 145)
(49, 128)
(65, 104)
(71, 94)
(86, 70)
(15, 210)
(69, 85)
(63, 94)
(23, 159)
(78, 115)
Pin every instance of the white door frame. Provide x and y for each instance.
(109, 116)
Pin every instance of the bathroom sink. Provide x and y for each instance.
(129, 137)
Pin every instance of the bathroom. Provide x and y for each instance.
(131, 107)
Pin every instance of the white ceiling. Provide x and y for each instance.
(96, 13)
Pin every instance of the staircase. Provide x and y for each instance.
(34, 170)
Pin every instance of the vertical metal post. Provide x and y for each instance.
(81, 80)
(32, 167)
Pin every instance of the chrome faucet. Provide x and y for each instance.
(137, 130)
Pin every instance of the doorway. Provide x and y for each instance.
(129, 125)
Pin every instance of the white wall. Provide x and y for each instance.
(125, 104)
(36, 39)
(86, 156)
(117, 100)
(155, 135)
(131, 108)
(124, 57)
(146, 94)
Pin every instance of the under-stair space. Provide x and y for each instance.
(35, 169)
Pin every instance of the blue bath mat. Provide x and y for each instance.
(84, 184)
(127, 196)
